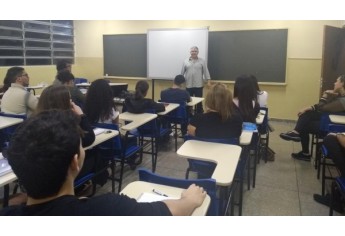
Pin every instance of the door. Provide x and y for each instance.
(333, 56)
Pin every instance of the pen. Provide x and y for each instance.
(159, 193)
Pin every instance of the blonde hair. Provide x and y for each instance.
(219, 99)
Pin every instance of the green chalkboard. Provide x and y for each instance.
(258, 52)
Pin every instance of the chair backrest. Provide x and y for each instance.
(113, 146)
(336, 128)
(179, 115)
(80, 80)
(6, 133)
(208, 184)
(152, 127)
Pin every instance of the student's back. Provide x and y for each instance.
(138, 103)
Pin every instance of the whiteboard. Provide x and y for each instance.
(168, 48)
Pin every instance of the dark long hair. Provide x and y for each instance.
(99, 101)
(141, 89)
(245, 92)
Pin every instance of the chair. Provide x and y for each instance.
(80, 80)
(208, 184)
(326, 158)
(337, 185)
(117, 150)
(79, 182)
(264, 135)
(180, 117)
(205, 169)
(6, 133)
(316, 140)
(154, 132)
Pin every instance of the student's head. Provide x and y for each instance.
(340, 83)
(54, 97)
(16, 75)
(141, 89)
(219, 98)
(66, 78)
(99, 101)
(194, 51)
(63, 65)
(45, 151)
(179, 80)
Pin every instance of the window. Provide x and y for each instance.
(41, 42)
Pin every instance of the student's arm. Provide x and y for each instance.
(158, 107)
(191, 198)
(341, 139)
(32, 102)
(89, 135)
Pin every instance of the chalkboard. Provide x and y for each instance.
(230, 54)
(125, 55)
(258, 52)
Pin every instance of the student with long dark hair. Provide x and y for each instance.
(245, 97)
(99, 104)
(138, 103)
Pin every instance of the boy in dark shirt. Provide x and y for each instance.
(176, 94)
(46, 155)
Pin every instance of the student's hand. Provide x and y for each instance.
(209, 84)
(303, 111)
(329, 93)
(194, 195)
(77, 110)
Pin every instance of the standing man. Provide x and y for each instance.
(17, 100)
(196, 73)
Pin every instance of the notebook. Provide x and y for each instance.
(98, 131)
(152, 197)
(4, 167)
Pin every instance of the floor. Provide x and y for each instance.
(284, 187)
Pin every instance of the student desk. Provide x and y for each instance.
(33, 88)
(136, 188)
(135, 119)
(260, 117)
(5, 180)
(9, 121)
(100, 138)
(337, 119)
(168, 108)
(195, 101)
(226, 157)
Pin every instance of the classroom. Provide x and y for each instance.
(300, 89)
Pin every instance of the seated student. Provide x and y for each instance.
(46, 155)
(62, 65)
(138, 103)
(176, 94)
(67, 79)
(17, 100)
(245, 98)
(309, 117)
(58, 97)
(220, 121)
(335, 144)
(99, 104)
